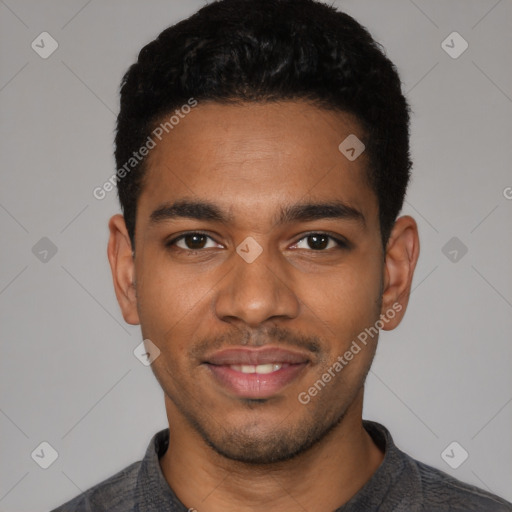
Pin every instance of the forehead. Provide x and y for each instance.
(252, 158)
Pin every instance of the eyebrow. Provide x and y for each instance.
(301, 212)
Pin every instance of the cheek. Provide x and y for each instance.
(346, 299)
(169, 296)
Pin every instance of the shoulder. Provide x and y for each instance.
(405, 484)
(115, 494)
(442, 492)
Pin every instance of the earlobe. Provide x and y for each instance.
(402, 254)
(121, 258)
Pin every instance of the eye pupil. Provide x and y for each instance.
(195, 237)
(316, 244)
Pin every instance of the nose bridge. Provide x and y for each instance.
(257, 288)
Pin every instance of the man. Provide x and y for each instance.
(263, 157)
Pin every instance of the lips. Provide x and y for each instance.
(245, 356)
(255, 373)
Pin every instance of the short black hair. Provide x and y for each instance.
(269, 50)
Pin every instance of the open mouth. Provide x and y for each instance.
(256, 372)
(261, 369)
(256, 381)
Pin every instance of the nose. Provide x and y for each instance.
(254, 292)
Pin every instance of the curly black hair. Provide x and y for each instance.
(270, 50)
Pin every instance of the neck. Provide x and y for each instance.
(323, 478)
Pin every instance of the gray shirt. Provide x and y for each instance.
(400, 484)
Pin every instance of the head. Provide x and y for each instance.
(245, 224)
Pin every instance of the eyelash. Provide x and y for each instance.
(341, 244)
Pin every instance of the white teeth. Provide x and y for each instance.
(268, 368)
(260, 368)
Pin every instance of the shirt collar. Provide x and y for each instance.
(152, 487)
(156, 494)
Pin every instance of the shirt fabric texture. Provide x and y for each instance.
(400, 484)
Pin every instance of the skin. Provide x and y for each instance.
(227, 453)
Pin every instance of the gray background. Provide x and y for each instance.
(68, 374)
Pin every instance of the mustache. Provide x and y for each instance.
(274, 336)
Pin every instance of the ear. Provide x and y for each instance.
(123, 268)
(402, 252)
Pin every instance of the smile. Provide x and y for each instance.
(260, 368)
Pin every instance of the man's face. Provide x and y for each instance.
(302, 293)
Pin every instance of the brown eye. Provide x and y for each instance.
(320, 242)
(195, 241)
(190, 242)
